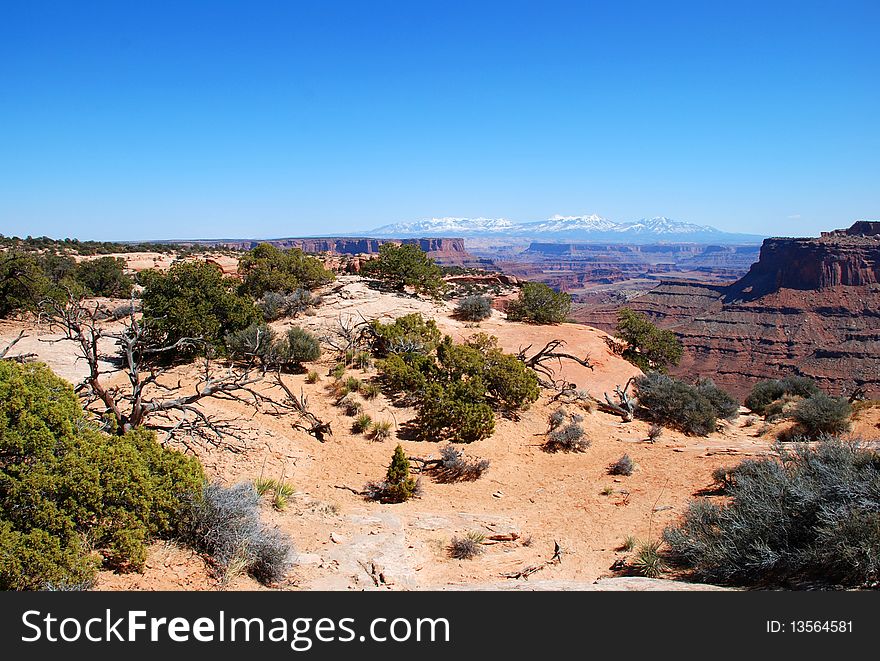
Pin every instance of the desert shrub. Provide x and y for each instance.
(821, 414)
(454, 467)
(648, 347)
(225, 524)
(407, 334)
(269, 269)
(629, 543)
(406, 265)
(726, 407)
(350, 405)
(361, 423)
(765, 393)
(66, 488)
(380, 430)
(674, 403)
(298, 347)
(456, 413)
(556, 418)
(623, 466)
(570, 438)
(649, 560)
(104, 276)
(654, 432)
(401, 376)
(362, 360)
(337, 371)
(510, 385)
(22, 282)
(370, 390)
(539, 304)
(474, 308)
(808, 514)
(276, 305)
(458, 390)
(353, 384)
(256, 342)
(312, 377)
(467, 547)
(398, 485)
(194, 300)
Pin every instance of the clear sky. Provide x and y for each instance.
(153, 119)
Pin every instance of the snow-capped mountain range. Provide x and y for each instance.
(591, 228)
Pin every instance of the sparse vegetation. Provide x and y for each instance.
(474, 308)
(808, 514)
(647, 347)
(467, 547)
(225, 524)
(623, 466)
(398, 485)
(312, 377)
(454, 467)
(649, 561)
(567, 434)
(380, 430)
(655, 431)
(539, 304)
(361, 423)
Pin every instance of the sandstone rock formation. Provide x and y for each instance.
(809, 306)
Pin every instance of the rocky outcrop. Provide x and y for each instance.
(808, 306)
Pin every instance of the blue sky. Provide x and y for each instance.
(127, 120)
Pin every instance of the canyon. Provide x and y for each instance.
(808, 306)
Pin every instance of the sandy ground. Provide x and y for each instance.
(344, 542)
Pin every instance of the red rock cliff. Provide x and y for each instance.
(808, 306)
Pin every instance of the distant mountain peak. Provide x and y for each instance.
(586, 228)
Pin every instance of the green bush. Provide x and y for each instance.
(66, 488)
(455, 414)
(676, 404)
(22, 283)
(275, 305)
(808, 515)
(407, 334)
(194, 300)
(765, 393)
(648, 347)
(539, 304)
(398, 485)
(458, 389)
(104, 276)
(298, 347)
(821, 414)
(474, 308)
(269, 269)
(726, 407)
(257, 341)
(406, 265)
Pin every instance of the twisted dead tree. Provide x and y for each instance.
(147, 401)
(310, 423)
(625, 405)
(548, 354)
(18, 358)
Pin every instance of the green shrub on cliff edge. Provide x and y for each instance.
(73, 499)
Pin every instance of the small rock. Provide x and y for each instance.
(498, 494)
(336, 538)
